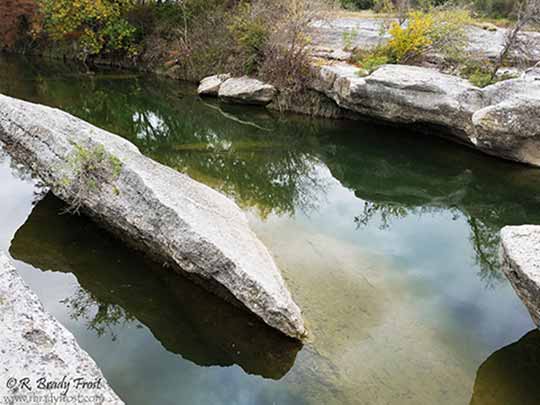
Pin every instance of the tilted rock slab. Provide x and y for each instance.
(520, 255)
(36, 346)
(500, 119)
(185, 224)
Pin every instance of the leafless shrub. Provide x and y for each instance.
(527, 14)
(287, 54)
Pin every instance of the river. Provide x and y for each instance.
(388, 241)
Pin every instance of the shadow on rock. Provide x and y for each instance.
(124, 285)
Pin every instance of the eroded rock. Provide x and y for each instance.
(404, 94)
(184, 224)
(35, 346)
(500, 119)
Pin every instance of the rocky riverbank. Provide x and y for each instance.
(37, 350)
(499, 120)
(184, 224)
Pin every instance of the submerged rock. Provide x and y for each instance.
(246, 90)
(509, 376)
(184, 224)
(35, 346)
(520, 255)
(210, 85)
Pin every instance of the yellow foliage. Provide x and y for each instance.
(411, 41)
(441, 30)
(95, 24)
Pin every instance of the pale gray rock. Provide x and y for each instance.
(246, 90)
(367, 33)
(404, 94)
(186, 225)
(501, 119)
(209, 86)
(363, 33)
(509, 126)
(36, 346)
(488, 43)
(520, 256)
(331, 54)
(532, 73)
(511, 129)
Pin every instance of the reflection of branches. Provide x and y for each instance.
(485, 242)
(82, 304)
(235, 118)
(386, 212)
(484, 239)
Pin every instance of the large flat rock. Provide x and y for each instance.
(184, 224)
(36, 349)
(520, 255)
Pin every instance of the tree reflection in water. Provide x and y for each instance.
(280, 166)
(100, 317)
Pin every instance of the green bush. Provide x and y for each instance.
(372, 62)
(480, 73)
(93, 26)
(495, 8)
(481, 78)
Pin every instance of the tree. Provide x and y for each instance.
(92, 26)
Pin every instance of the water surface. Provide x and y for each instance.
(388, 241)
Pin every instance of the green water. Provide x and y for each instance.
(387, 240)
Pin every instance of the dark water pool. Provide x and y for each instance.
(387, 239)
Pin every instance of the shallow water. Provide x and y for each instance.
(387, 239)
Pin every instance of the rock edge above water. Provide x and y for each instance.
(499, 120)
(36, 346)
(184, 224)
(520, 256)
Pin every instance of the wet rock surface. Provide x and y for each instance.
(37, 349)
(184, 224)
